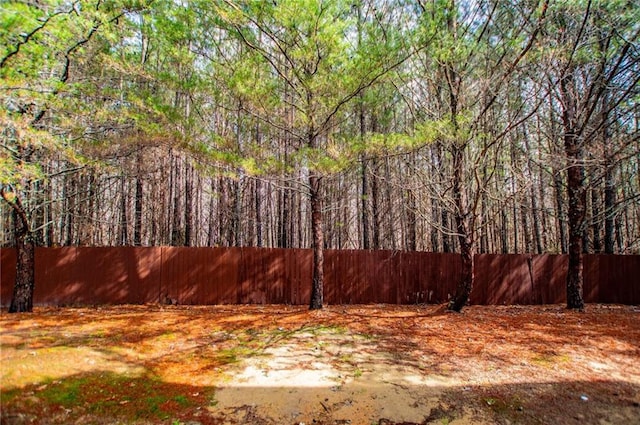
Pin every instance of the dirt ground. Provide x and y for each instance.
(375, 364)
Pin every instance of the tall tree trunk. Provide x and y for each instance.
(222, 208)
(595, 215)
(49, 239)
(391, 231)
(504, 231)
(211, 236)
(284, 205)
(609, 207)
(484, 206)
(317, 291)
(258, 212)
(465, 234)
(364, 202)
(70, 198)
(123, 233)
(86, 228)
(446, 237)
(435, 217)
(560, 214)
(22, 299)
(535, 213)
(412, 239)
(177, 235)
(375, 206)
(576, 193)
(188, 204)
(137, 225)
(257, 193)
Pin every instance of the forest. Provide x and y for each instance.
(463, 126)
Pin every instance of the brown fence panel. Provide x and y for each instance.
(299, 268)
(72, 275)
(342, 277)
(408, 270)
(262, 275)
(7, 274)
(612, 279)
(96, 275)
(200, 275)
(519, 279)
(382, 276)
(333, 293)
(550, 273)
(55, 277)
(276, 285)
(450, 273)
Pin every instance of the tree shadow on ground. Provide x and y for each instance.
(206, 346)
(107, 397)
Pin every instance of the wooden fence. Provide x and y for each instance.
(83, 275)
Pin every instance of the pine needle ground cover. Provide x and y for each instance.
(374, 364)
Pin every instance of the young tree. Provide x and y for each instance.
(306, 53)
(46, 46)
(479, 48)
(593, 67)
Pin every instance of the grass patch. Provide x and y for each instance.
(235, 354)
(111, 396)
(548, 360)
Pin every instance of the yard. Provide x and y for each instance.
(365, 364)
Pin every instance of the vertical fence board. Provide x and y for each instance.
(144, 275)
(7, 274)
(55, 280)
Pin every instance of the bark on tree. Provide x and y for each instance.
(137, 225)
(123, 232)
(22, 299)
(576, 193)
(465, 236)
(317, 292)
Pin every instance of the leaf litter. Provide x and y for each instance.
(363, 364)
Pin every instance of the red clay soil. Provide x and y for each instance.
(373, 364)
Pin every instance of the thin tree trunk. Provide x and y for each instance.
(188, 204)
(283, 216)
(375, 206)
(595, 217)
(435, 217)
(70, 198)
(412, 240)
(87, 233)
(258, 213)
(504, 232)
(176, 232)
(49, 239)
(123, 233)
(137, 225)
(364, 203)
(391, 231)
(609, 207)
(560, 214)
(211, 236)
(484, 206)
(535, 213)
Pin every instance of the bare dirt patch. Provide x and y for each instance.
(342, 365)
